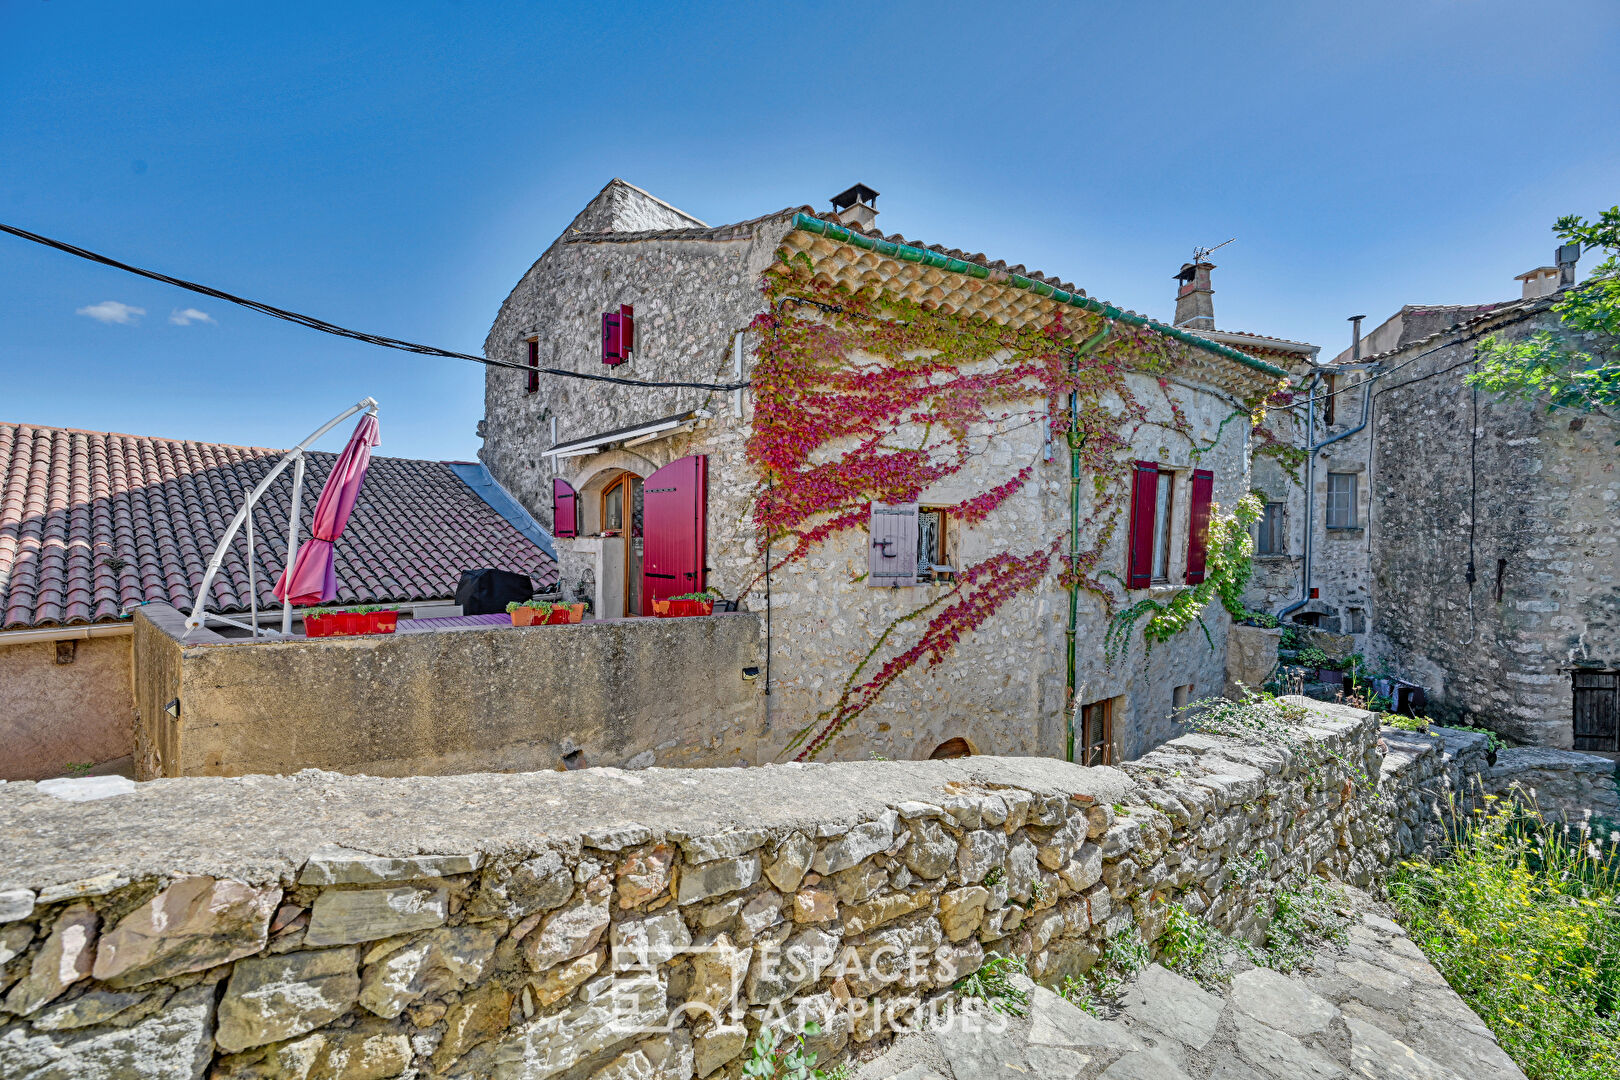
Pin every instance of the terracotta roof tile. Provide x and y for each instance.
(92, 522)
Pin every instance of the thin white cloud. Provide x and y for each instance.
(188, 316)
(111, 311)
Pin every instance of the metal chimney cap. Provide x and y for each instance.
(860, 193)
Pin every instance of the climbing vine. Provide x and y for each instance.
(864, 397)
(1228, 564)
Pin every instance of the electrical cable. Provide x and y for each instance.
(325, 327)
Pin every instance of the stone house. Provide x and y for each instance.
(1466, 544)
(895, 492)
(95, 524)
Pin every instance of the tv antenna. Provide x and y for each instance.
(1201, 253)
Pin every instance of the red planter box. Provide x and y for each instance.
(320, 625)
(558, 617)
(682, 609)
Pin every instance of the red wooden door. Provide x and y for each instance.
(674, 507)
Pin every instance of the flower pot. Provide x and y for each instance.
(576, 612)
(661, 608)
(385, 622)
(524, 616)
(324, 625)
(558, 616)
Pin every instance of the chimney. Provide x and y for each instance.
(1195, 299)
(1355, 338)
(856, 207)
(1546, 280)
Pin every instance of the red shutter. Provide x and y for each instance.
(627, 330)
(534, 366)
(1203, 489)
(674, 512)
(612, 338)
(1144, 489)
(564, 509)
(891, 559)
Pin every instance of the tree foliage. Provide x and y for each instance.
(1576, 367)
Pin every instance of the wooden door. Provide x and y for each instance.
(674, 509)
(1597, 710)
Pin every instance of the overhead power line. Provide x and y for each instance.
(325, 327)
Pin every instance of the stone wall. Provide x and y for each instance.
(1456, 476)
(1002, 688)
(1567, 783)
(545, 925)
(483, 699)
(54, 714)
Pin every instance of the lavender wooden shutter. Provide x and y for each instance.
(892, 558)
(1203, 490)
(534, 366)
(627, 330)
(1144, 488)
(564, 509)
(674, 512)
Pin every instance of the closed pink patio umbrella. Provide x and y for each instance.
(311, 575)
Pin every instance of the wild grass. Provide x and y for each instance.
(1523, 920)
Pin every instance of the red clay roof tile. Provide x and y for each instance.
(92, 522)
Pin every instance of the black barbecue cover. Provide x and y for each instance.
(487, 592)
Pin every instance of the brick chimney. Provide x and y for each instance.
(1195, 299)
(856, 207)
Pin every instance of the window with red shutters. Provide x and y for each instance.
(618, 334)
(564, 508)
(534, 365)
(1203, 490)
(1144, 494)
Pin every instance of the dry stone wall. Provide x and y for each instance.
(629, 924)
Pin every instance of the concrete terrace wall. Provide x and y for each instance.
(53, 715)
(638, 692)
(489, 926)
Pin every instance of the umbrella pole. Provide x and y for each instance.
(253, 590)
(292, 540)
(197, 613)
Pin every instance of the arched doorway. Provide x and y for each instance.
(951, 748)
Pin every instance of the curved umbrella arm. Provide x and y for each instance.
(296, 454)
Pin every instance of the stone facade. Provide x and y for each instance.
(545, 924)
(694, 292)
(1481, 560)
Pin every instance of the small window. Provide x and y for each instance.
(1097, 732)
(1341, 500)
(534, 366)
(1269, 538)
(951, 748)
(1357, 618)
(1161, 526)
(1181, 695)
(1330, 385)
(615, 498)
(930, 541)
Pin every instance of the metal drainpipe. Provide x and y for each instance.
(1310, 473)
(1074, 531)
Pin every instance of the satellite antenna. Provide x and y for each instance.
(1201, 253)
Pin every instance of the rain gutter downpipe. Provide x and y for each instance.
(1075, 443)
(1310, 463)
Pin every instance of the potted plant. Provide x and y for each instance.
(576, 613)
(320, 622)
(556, 615)
(528, 613)
(690, 604)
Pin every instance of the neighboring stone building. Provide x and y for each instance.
(652, 491)
(93, 524)
(1468, 545)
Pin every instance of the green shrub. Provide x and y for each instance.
(1523, 920)
(992, 984)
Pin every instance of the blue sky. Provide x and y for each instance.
(396, 167)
